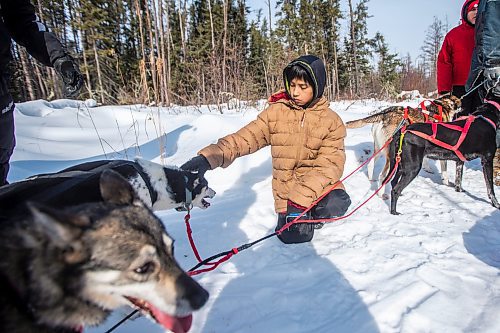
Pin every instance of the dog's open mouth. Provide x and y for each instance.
(209, 194)
(172, 323)
(205, 203)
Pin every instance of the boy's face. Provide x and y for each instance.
(301, 91)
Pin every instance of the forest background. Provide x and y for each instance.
(196, 52)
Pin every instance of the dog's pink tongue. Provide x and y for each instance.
(174, 324)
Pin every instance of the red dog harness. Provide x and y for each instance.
(463, 132)
(432, 138)
(436, 116)
(428, 116)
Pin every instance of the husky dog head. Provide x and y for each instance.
(176, 188)
(198, 186)
(85, 261)
(451, 104)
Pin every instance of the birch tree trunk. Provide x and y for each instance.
(41, 81)
(165, 59)
(182, 27)
(27, 74)
(354, 51)
(152, 58)
(224, 49)
(212, 34)
(336, 71)
(98, 69)
(142, 63)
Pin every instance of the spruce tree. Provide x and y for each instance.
(388, 65)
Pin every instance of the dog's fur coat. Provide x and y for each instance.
(159, 187)
(385, 122)
(61, 270)
(479, 143)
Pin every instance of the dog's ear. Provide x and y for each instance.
(116, 189)
(60, 227)
(63, 230)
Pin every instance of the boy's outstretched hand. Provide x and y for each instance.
(197, 164)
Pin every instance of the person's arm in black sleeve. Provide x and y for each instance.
(24, 27)
(491, 46)
(21, 21)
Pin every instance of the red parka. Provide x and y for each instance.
(454, 58)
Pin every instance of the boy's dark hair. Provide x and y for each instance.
(297, 71)
(309, 68)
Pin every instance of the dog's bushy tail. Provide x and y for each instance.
(376, 118)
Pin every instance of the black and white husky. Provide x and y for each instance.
(160, 187)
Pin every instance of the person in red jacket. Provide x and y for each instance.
(455, 56)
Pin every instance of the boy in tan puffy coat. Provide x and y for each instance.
(307, 148)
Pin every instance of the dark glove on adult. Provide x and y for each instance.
(197, 164)
(492, 80)
(72, 78)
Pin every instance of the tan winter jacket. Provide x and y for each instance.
(307, 148)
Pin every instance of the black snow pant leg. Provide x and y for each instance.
(334, 204)
(7, 140)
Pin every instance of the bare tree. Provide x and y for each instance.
(432, 44)
(354, 49)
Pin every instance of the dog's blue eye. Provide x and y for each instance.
(146, 268)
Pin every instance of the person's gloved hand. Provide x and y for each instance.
(492, 80)
(492, 73)
(72, 78)
(197, 164)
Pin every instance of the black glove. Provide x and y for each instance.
(492, 80)
(197, 164)
(72, 78)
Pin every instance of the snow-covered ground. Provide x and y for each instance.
(435, 268)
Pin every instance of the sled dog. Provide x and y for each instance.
(478, 143)
(61, 270)
(384, 125)
(159, 187)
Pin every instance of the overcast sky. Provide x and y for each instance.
(402, 22)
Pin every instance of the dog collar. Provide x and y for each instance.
(189, 193)
(189, 197)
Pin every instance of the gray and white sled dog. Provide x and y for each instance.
(385, 122)
(61, 270)
(160, 187)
